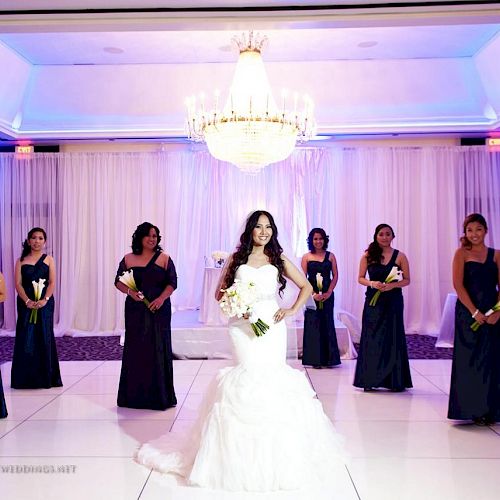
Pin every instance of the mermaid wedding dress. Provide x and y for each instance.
(260, 428)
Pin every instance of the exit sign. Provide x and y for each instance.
(25, 149)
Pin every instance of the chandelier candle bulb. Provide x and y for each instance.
(283, 95)
(202, 101)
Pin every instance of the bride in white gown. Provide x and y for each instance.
(260, 428)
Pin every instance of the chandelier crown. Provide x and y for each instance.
(250, 130)
(254, 43)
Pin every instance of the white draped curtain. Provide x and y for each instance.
(90, 203)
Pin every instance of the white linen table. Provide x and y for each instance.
(210, 312)
(447, 327)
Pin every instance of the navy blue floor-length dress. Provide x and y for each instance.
(146, 379)
(475, 373)
(35, 364)
(3, 406)
(320, 347)
(383, 354)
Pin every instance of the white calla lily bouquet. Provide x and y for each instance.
(319, 284)
(238, 300)
(394, 276)
(127, 278)
(38, 287)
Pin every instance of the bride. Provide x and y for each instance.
(261, 428)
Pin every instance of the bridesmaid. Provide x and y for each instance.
(475, 374)
(383, 357)
(3, 406)
(35, 364)
(320, 346)
(146, 379)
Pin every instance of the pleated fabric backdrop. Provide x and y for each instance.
(90, 203)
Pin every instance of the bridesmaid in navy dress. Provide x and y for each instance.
(3, 406)
(475, 374)
(35, 364)
(320, 348)
(146, 379)
(383, 356)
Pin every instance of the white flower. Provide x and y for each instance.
(238, 300)
(319, 281)
(127, 278)
(395, 275)
(38, 288)
(219, 255)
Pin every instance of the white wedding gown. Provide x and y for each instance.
(261, 428)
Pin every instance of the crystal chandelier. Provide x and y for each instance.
(250, 131)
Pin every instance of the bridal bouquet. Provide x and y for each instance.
(38, 286)
(319, 284)
(127, 278)
(394, 276)
(239, 300)
(475, 326)
(219, 257)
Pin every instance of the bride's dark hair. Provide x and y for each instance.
(272, 249)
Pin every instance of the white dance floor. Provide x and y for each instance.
(74, 443)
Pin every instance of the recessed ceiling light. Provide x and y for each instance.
(113, 50)
(365, 45)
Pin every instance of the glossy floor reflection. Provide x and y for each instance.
(73, 442)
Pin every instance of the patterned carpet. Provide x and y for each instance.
(108, 348)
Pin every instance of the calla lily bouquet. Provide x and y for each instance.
(38, 287)
(319, 284)
(127, 278)
(475, 326)
(239, 300)
(394, 276)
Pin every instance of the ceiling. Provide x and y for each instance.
(67, 5)
(76, 70)
(198, 47)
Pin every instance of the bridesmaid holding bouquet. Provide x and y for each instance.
(320, 347)
(148, 277)
(383, 356)
(35, 364)
(475, 373)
